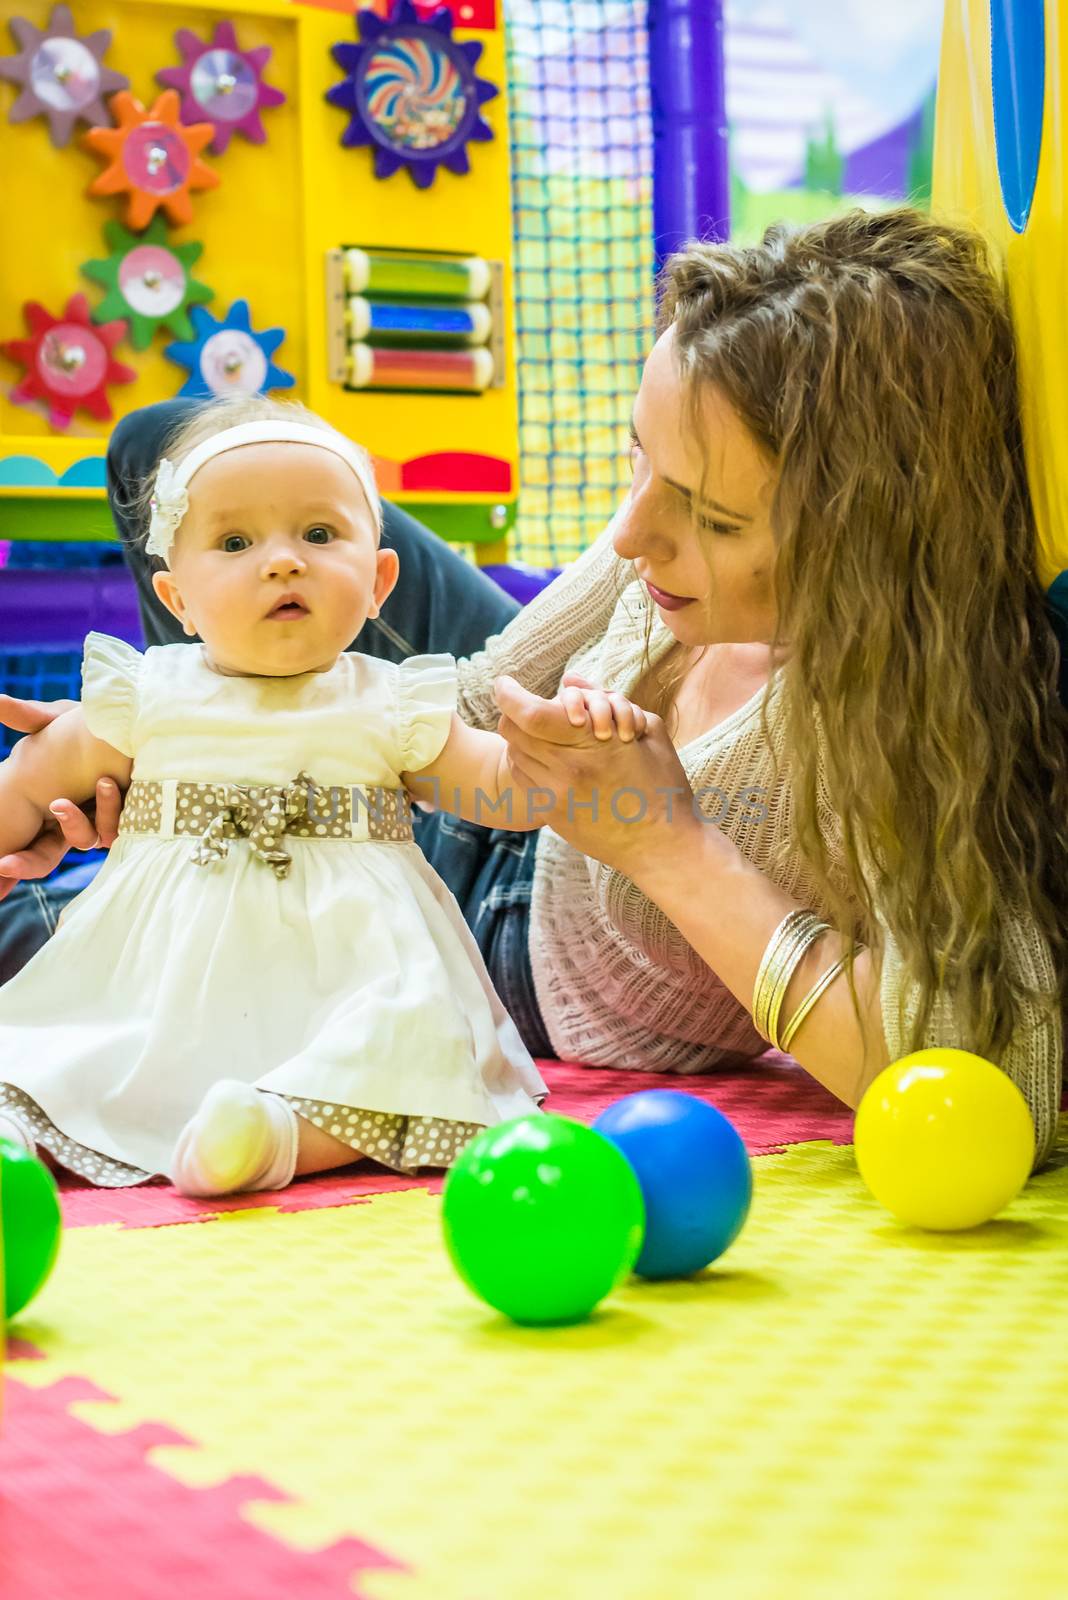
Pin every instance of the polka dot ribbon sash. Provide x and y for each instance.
(264, 815)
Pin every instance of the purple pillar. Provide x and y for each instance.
(691, 172)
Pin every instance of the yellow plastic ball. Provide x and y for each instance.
(944, 1139)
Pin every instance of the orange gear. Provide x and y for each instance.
(154, 158)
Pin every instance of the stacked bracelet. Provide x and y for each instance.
(764, 986)
(785, 950)
(809, 1001)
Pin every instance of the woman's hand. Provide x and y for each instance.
(621, 801)
(30, 716)
(74, 828)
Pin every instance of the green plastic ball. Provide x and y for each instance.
(542, 1218)
(30, 1220)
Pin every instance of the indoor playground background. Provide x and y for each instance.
(827, 105)
(830, 103)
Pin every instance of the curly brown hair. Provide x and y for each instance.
(872, 358)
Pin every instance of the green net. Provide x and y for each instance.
(582, 208)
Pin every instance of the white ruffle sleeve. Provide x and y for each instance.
(426, 695)
(110, 672)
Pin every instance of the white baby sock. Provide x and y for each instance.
(13, 1128)
(240, 1138)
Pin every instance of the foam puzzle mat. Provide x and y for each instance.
(293, 1395)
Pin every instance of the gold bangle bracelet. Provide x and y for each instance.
(769, 964)
(809, 1001)
(791, 962)
(791, 948)
(785, 949)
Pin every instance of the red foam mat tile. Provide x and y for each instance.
(157, 1204)
(772, 1102)
(83, 1516)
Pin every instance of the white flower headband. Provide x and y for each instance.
(170, 499)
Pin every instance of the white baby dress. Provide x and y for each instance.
(351, 985)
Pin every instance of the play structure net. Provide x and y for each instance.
(582, 205)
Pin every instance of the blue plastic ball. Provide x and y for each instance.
(694, 1173)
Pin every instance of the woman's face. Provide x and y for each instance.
(714, 554)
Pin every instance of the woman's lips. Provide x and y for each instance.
(670, 602)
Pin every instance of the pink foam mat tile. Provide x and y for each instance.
(127, 1531)
(771, 1102)
(158, 1204)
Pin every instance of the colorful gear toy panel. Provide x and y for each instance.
(177, 178)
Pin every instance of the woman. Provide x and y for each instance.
(845, 829)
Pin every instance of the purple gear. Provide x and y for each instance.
(61, 74)
(222, 84)
(412, 93)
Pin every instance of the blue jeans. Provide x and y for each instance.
(491, 873)
(440, 603)
(28, 918)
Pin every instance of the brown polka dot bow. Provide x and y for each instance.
(262, 815)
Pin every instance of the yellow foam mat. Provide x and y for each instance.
(844, 1408)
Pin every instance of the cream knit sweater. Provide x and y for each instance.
(616, 982)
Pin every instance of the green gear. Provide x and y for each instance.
(154, 297)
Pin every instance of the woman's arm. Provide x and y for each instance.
(62, 759)
(630, 806)
(729, 925)
(536, 645)
(831, 1043)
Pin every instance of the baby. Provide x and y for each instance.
(265, 978)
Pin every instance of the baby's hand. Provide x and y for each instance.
(608, 710)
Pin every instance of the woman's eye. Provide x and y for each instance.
(313, 535)
(229, 545)
(718, 527)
